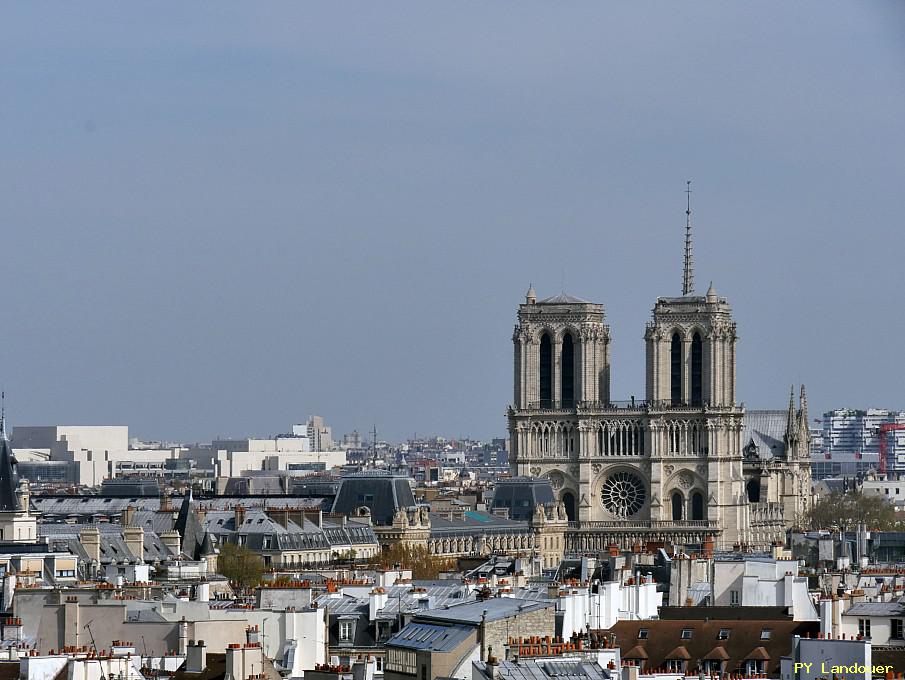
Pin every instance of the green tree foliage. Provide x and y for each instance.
(847, 509)
(240, 565)
(414, 557)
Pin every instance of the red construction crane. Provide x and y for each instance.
(882, 431)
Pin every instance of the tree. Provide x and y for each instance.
(240, 565)
(414, 557)
(845, 510)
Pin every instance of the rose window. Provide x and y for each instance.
(623, 494)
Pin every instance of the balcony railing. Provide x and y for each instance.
(627, 405)
(644, 524)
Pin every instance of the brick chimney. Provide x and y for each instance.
(240, 517)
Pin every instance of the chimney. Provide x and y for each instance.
(240, 515)
(377, 601)
(90, 538)
(196, 659)
(127, 516)
(252, 634)
(134, 537)
(165, 503)
(172, 541)
(203, 592)
(243, 661)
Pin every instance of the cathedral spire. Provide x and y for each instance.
(3, 416)
(791, 419)
(688, 270)
(803, 409)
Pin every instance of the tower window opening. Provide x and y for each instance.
(546, 372)
(567, 379)
(697, 363)
(697, 506)
(675, 369)
(677, 504)
(753, 489)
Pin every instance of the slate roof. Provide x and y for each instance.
(195, 541)
(430, 636)
(475, 523)
(113, 547)
(258, 526)
(521, 494)
(382, 494)
(66, 505)
(492, 609)
(766, 429)
(9, 479)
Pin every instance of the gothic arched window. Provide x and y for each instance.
(753, 489)
(546, 371)
(568, 500)
(675, 369)
(697, 367)
(677, 506)
(697, 505)
(567, 378)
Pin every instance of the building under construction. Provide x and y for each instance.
(852, 441)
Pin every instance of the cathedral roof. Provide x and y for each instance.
(563, 299)
(766, 429)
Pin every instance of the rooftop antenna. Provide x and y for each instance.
(3, 415)
(688, 273)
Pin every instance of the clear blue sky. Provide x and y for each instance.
(219, 218)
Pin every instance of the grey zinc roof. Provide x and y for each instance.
(436, 638)
(403, 598)
(542, 669)
(492, 609)
(876, 609)
(767, 430)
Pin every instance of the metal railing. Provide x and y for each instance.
(644, 524)
(626, 405)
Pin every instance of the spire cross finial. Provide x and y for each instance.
(688, 271)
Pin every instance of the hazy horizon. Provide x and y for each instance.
(221, 218)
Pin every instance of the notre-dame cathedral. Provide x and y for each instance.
(688, 464)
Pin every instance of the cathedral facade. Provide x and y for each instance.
(686, 465)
